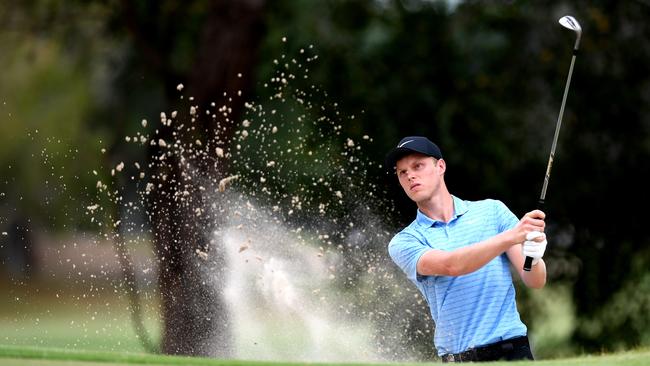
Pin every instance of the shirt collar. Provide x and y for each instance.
(460, 208)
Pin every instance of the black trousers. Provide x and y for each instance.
(508, 350)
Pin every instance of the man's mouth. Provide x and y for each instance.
(414, 186)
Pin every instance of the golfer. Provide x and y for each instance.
(458, 253)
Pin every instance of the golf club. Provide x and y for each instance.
(571, 23)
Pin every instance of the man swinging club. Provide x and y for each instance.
(458, 253)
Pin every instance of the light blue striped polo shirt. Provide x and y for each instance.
(470, 310)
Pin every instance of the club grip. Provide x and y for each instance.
(528, 263)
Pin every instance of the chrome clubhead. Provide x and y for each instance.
(570, 22)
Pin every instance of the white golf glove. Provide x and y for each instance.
(532, 248)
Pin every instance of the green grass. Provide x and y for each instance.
(15, 355)
(10, 355)
(53, 324)
(52, 315)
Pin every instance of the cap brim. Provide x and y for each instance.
(396, 154)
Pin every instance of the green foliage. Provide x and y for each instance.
(45, 98)
(550, 314)
(626, 312)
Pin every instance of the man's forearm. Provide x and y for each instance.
(469, 259)
(464, 260)
(536, 277)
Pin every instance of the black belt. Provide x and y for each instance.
(490, 352)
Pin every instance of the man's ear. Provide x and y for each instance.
(442, 165)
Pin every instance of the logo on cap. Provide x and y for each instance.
(404, 143)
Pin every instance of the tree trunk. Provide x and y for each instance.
(196, 320)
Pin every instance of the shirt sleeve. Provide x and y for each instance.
(405, 250)
(507, 219)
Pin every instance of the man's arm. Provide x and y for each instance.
(536, 278)
(470, 258)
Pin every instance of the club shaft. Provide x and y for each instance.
(547, 177)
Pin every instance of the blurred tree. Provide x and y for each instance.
(211, 45)
(44, 101)
(83, 75)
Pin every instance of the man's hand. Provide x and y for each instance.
(534, 246)
(532, 221)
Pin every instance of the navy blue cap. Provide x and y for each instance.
(412, 144)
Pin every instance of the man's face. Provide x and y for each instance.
(420, 176)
